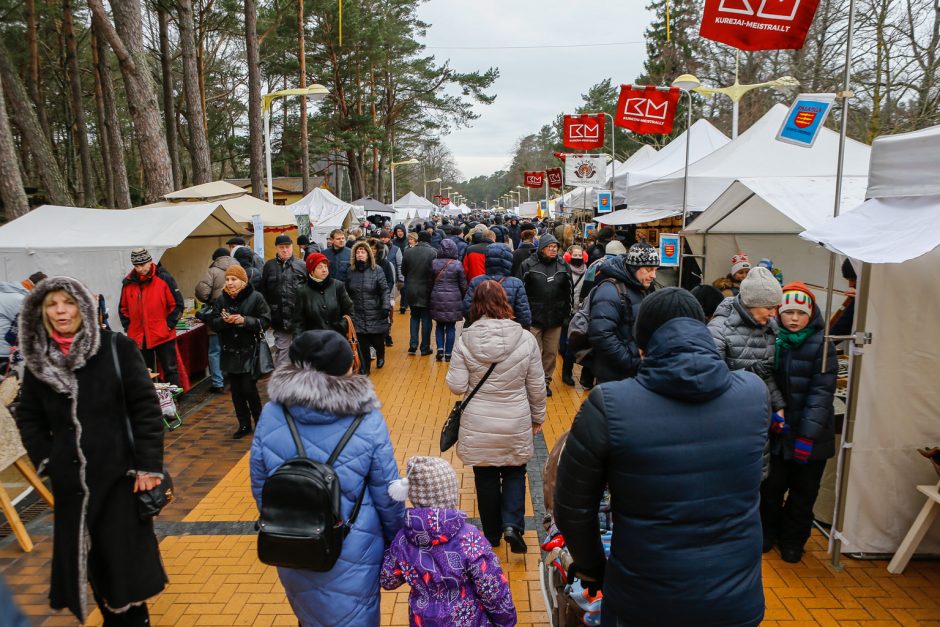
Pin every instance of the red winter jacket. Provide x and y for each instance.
(474, 260)
(150, 307)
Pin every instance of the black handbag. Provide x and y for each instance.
(151, 502)
(263, 361)
(452, 424)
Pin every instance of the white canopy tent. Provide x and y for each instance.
(764, 217)
(586, 197)
(94, 245)
(237, 201)
(706, 139)
(424, 207)
(320, 230)
(755, 153)
(372, 206)
(623, 217)
(893, 390)
(321, 203)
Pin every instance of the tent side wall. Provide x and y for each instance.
(898, 398)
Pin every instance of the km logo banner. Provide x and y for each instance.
(584, 132)
(534, 179)
(758, 24)
(646, 109)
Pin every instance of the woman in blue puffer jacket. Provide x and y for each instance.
(448, 285)
(324, 397)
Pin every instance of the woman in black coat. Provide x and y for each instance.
(322, 301)
(371, 304)
(240, 316)
(73, 418)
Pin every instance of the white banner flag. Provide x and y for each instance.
(584, 171)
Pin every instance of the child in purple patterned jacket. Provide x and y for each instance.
(455, 578)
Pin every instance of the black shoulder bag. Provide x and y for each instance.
(452, 424)
(151, 502)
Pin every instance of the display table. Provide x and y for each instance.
(193, 347)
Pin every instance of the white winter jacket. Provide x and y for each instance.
(496, 427)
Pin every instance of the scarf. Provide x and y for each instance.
(64, 343)
(320, 285)
(789, 340)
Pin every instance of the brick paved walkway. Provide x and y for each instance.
(208, 543)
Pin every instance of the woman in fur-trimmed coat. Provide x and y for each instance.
(72, 419)
(324, 396)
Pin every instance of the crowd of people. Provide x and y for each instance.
(709, 408)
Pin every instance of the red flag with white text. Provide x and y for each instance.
(646, 109)
(585, 131)
(445, 201)
(758, 24)
(555, 177)
(534, 179)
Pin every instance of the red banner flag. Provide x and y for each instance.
(585, 131)
(534, 179)
(560, 155)
(758, 24)
(646, 109)
(445, 201)
(555, 177)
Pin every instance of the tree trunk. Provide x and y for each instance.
(104, 142)
(255, 130)
(32, 76)
(122, 192)
(11, 183)
(87, 196)
(198, 142)
(302, 56)
(24, 117)
(126, 38)
(169, 103)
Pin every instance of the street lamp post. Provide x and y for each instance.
(397, 163)
(687, 83)
(437, 180)
(528, 192)
(316, 92)
(736, 91)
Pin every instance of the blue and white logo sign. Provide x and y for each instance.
(806, 117)
(669, 250)
(604, 202)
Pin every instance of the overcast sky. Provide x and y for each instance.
(535, 84)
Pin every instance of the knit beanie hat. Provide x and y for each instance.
(545, 240)
(220, 252)
(760, 289)
(314, 260)
(424, 236)
(740, 262)
(326, 351)
(642, 255)
(615, 247)
(709, 297)
(798, 297)
(428, 482)
(236, 271)
(140, 256)
(303, 240)
(236, 241)
(662, 306)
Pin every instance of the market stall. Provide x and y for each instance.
(422, 206)
(321, 203)
(893, 393)
(320, 230)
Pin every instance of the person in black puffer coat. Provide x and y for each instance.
(680, 447)
(456, 236)
(801, 444)
(417, 270)
(526, 247)
(549, 287)
(621, 285)
(449, 284)
(240, 316)
(245, 258)
(323, 301)
(280, 279)
(392, 272)
(498, 260)
(371, 298)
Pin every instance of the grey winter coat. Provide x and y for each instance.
(417, 271)
(369, 291)
(746, 345)
(11, 297)
(496, 426)
(212, 282)
(449, 284)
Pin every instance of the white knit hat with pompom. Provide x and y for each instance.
(429, 482)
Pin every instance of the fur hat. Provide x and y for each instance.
(325, 351)
(760, 289)
(615, 247)
(428, 482)
(642, 255)
(237, 271)
(798, 297)
(662, 306)
(140, 256)
(740, 262)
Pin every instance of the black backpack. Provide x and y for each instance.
(301, 524)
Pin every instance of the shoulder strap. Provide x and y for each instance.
(294, 433)
(446, 264)
(476, 388)
(120, 379)
(345, 439)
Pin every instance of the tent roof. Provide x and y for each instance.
(634, 216)
(236, 201)
(107, 229)
(319, 203)
(777, 205)
(902, 221)
(755, 153)
(412, 201)
(705, 140)
(639, 159)
(371, 205)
